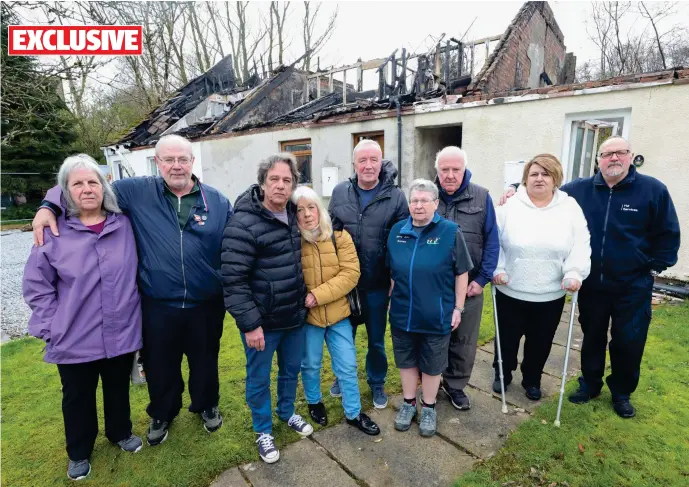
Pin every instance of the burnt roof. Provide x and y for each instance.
(219, 79)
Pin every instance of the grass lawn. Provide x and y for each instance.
(594, 447)
(33, 451)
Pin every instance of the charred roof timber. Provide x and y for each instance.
(289, 95)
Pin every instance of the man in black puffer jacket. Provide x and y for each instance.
(367, 205)
(264, 291)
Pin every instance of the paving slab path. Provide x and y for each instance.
(343, 456)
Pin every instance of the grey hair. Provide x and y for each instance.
(172, 138)
(285, 157)
(84, 161)
(424, 185)
(363, 143)
(325, 226)
(615, 137)
(454, 151)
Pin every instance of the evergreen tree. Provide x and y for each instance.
(36, 127)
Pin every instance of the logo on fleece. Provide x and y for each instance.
(629, 208)
(433, 241)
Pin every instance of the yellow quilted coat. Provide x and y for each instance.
(330, 276)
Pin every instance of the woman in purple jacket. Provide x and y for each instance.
(82, 290)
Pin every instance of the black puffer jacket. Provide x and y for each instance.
(371, 225)
(263, 282)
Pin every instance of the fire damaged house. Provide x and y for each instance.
(503, 99)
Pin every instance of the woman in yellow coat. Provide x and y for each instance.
(331, 271)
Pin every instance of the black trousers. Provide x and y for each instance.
(629, 311)
(168, 334)
(79, 383)
(537, 322)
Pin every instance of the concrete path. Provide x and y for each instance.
(343, 456)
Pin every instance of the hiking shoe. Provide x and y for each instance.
(335, 389)
(132, 444)
(380, 399)
(318, 413)
(624, 408)
(298, 424)
(582, 396)
(533, 393)
(429, 421)
(78, 470)
(365, 424)
(266, 448)
(157, 432)
(405, 416)
(457, 397)
(212, 419)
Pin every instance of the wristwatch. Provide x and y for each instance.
(461, 310)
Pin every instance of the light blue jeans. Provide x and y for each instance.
(338, 338)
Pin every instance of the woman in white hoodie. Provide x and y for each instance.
(544, 252)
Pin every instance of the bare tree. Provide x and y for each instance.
(657, 12)
(280, 17)
(312, 42)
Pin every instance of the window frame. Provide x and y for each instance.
(300, 153)
(569, 129)
(371, 135)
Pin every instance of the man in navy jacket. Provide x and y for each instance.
(634, 236)
(178, 224)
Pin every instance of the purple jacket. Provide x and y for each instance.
(81, 287)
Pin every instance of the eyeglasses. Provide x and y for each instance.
(183, 161)
(608, 155)
(423, 201)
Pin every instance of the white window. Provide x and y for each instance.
(583, 135)
(152, 166)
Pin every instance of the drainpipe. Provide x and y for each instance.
(399, 141)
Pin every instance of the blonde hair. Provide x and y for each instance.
(550, 163)
(324, 230)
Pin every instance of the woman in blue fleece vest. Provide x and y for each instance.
(429, 264)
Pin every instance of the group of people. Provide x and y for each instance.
(287, 269)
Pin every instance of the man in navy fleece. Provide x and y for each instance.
(634, 236)
(470, 206)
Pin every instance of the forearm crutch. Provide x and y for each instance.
(575, 296)
(497, 343)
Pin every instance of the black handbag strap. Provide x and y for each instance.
(332, 237)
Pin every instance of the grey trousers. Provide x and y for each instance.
(462, 352)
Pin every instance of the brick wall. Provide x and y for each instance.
(534, 30)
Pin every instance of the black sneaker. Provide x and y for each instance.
(624, 408)
(457, 397)
(157, 432)
(582, 396)
(318, 413)
(365, 424)
(533, 392)
(496, 384)
(212, 419)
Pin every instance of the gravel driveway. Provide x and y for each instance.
(15, 248)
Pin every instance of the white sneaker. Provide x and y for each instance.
(298, 424)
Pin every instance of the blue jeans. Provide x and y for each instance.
(376, 304)
(289, 345)
(340, 343)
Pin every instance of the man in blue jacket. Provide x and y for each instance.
(471, 207)
(178, 224)
(634, 236)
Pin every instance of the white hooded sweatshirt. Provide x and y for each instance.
(539, 247)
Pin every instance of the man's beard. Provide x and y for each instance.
(614, 171)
